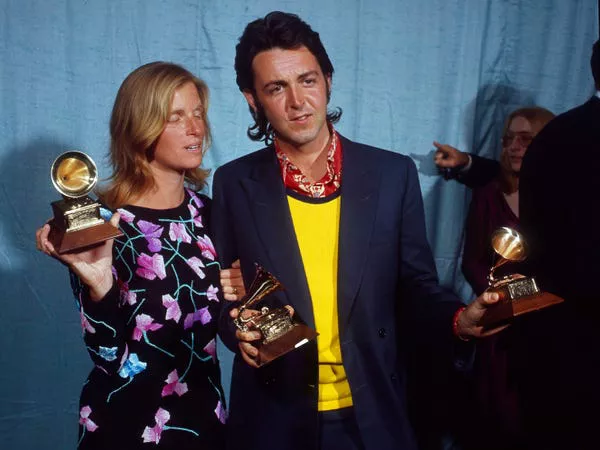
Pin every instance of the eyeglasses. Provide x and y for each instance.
(524, 139)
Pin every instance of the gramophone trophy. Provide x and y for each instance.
(518, 294)
(280, 333)
(77, 223)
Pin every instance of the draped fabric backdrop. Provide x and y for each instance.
(407, 72)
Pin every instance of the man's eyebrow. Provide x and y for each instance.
(307, 74)
(275, 83)
(300, 77)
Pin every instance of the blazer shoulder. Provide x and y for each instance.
(378, 155)
(244, 164)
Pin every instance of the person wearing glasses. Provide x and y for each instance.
(495, 204)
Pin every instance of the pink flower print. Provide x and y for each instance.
(211, 293)
(128, 297)
(207, 248)
(144, 323)
(85, 324)
(177, 232)
(194, 215)
(195, 198)
(150, 267)
(211, 349)
(126, 216)
(84, 419)
(202, 315)
(161, 417)
(195, 263)
(152, 233)
(220, 412)
(173, 385)
(173, 311)
(125, 295)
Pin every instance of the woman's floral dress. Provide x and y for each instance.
(156, 380)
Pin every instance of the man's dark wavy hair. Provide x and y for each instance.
(595, 62)
(276, 30)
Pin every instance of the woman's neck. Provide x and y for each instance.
(168, 192)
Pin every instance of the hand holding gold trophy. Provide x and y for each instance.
(77, 223)
(280, 333)
(518, 294)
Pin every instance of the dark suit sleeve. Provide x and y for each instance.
(481, 172)
(222, 231)
(431, 306)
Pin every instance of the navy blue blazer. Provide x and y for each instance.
(387, 284)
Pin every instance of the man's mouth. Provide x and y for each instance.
(301, 118)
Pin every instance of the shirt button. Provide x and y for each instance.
(382, 332)
(393, 377)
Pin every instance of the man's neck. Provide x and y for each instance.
(310, 158)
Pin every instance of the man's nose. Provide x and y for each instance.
(295, 97)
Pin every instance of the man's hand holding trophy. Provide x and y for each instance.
(279, 332)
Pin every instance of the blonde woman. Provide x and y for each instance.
(496, 204)
(149, 302)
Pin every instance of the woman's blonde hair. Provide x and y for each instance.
(138, 118)
(538, 117)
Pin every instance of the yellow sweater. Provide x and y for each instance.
(317, 231)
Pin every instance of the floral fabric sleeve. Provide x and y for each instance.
(103, 326)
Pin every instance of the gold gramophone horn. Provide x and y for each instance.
(74, 174)
(509, 245)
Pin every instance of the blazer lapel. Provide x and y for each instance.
(360, 193)
(273, 223)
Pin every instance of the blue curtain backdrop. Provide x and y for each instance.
(407, 72)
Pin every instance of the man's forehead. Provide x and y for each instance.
(278, 63)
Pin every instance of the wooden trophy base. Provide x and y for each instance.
(296, 337)
(65, 241)
(507, 309)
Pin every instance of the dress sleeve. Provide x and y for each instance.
(222, 230)
(476, 257)
(104, 326)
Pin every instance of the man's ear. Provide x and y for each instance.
(250, 99)
(328, 80)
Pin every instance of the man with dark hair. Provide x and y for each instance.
(560, 365)
(341, 225)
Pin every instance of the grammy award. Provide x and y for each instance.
(280, 332)
(77, 223)
(518, 294)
